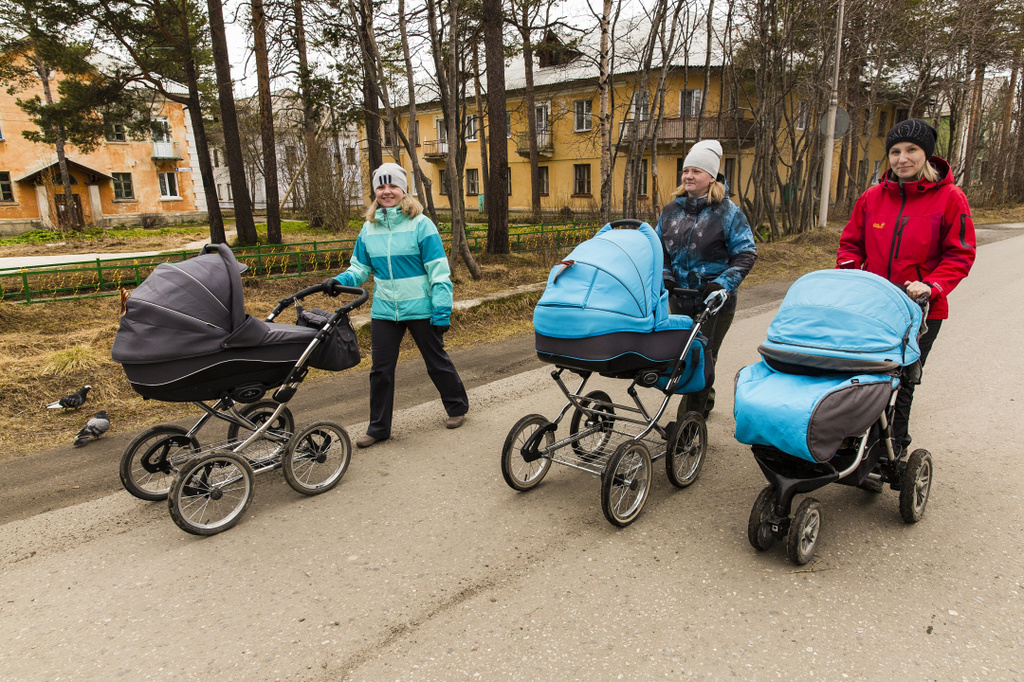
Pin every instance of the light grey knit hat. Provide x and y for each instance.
(390, 174)
(706, 155)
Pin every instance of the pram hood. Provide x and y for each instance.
(609, 283)
(189, 309)
(843, 321)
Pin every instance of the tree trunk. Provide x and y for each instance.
(973, 125)
(314, 154)
(480, 128)
(229, 122)
(424, 183)
(195, 114)
(68, 219)
(497, 179)
(604, 87)
(371, 99)
(259, 30)
(531, 113)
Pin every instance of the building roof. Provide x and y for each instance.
(38, 170)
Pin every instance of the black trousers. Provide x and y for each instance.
(386, 336)
(905, 395)
(715, 329)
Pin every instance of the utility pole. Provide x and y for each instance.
(830, 132)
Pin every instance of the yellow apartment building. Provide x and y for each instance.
(123, 181)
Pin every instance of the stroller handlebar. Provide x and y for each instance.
(361, 296)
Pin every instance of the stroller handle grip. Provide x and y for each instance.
(626, 222)
(361, 297)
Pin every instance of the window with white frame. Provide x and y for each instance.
(441, 129)
(640, 106)
(729, 171)
(168, 185)
(472, 182)
(471, 128)
(123, 188)
(116, 132)
(508, 124)
(643, 178)
(584, 116)
(581, 178)
(6, 188)
(543, 178)
(161, 129)
(690, 101)
(442, 183)
(216, 158)
(803, 115)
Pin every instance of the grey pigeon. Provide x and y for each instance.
(72, 401)
(94, 428)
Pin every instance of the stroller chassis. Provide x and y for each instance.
(615, 441)
(770, 518)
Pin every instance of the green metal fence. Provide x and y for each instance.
(105, 277)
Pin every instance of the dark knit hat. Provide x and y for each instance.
(912, 130)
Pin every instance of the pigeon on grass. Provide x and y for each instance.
(72, 401)
(94, 428)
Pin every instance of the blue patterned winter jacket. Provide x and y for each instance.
(706, 243)
(410, 270)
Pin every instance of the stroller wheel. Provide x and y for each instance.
(600, 420)
(518, 473)
(317, 458)
(211, 493)
(759, 530)
(150, 461)
(260, 412)
(804, 531)
(917, 483)
(686, 449)
(625, 483)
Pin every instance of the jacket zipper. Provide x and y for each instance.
(897, 233)
(391, 270)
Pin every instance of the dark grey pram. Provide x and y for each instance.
(184, 336)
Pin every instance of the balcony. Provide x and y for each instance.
(435, 150)
(674, 131)
(545, 148)
(166, 150)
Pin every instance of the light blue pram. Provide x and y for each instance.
(605, 311)
(818, 407)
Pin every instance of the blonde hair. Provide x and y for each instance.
(929, 172)
(716, 192)
(410, 207)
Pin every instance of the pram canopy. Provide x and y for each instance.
(843, 321)
(185, 334)
(605, 309)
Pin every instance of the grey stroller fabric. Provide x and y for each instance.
(185, 334)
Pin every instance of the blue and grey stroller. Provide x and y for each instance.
(817, 409)
(605, 311)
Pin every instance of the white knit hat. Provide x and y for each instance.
(706, 155)
(390, 174)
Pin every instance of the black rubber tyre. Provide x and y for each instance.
(804, 531)
(317, 457)
(685, 451)
(260, 412)
(917, 483)
(211, 493)
(625, 483)
(150, 461)
(518, 473)
(759, 533)
(589, 447)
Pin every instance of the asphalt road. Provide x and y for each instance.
(423, 564)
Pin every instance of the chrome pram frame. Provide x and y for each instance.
(618, 442)
(208, 488)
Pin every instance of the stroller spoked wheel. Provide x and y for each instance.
(520, 474)
(317, 457)
(211, 493)
(150, 461)
(588, 447)
(759, 529)
(804, 531)
(917, 483)
(687, 445)
(258, 413)
(625, 483)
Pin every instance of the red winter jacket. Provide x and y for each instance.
(915, 231)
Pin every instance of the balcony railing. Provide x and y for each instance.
(545, 147)
(435, 150)
(675, 130)
(166, 150)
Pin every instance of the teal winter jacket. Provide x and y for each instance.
(410, 270)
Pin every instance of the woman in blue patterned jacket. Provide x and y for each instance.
(412, 290)
(708, 246)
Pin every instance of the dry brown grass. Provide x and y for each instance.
(49, 350)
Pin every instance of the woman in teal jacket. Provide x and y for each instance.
(402, 249)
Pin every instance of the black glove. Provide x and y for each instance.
(669, 285)
(440, 328)
(331, 286)
(710, 288)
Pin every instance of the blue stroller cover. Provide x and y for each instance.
(843, 321)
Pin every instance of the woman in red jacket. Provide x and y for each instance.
(914, 228)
